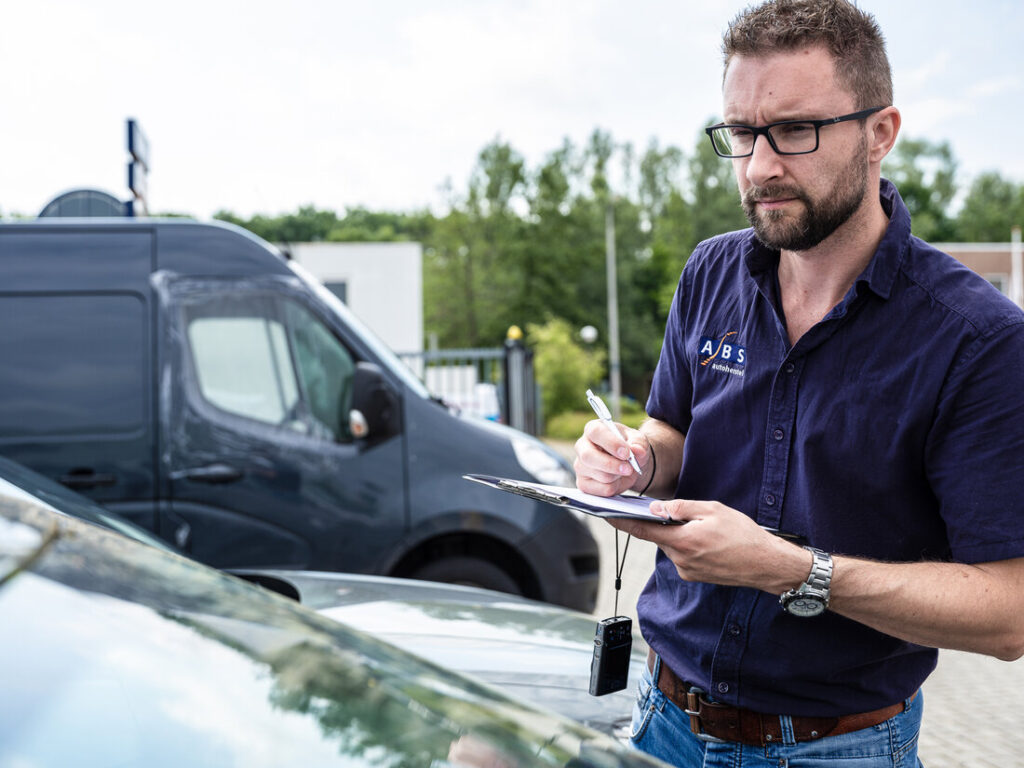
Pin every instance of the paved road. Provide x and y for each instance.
(974, 705)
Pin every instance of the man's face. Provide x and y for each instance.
(821, 216)
(794, 202)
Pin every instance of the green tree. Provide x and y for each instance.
(670, 219)
(521, 245)
(714, 194)
(450, 283)
(475, 254)
(527, 245)
(598, 153)
(659, 178)
(993, 206)
(495, 235)
(553, 263)
(310, 224)
(924, 172)
(362, 225)
(673, 239)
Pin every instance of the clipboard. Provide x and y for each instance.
(626, 507)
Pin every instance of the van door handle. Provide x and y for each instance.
(214, 474)
(86, 477)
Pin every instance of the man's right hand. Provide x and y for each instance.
(602, 459)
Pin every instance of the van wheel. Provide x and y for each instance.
(469, 572)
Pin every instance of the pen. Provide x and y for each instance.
(603, 414)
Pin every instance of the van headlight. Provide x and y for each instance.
(545, 466)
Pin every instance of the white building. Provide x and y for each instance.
(382, 283)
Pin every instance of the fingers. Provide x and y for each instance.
(599, 484)
(679, 510)
(602, 459)
(616, 442)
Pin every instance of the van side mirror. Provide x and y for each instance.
(376, 409)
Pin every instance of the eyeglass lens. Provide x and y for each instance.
(736, 140)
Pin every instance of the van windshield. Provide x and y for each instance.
(382, 350)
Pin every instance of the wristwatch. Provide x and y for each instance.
(811, 597)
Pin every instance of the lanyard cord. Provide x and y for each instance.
(625, 549)
(619, 568)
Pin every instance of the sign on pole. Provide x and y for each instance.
(138, 169)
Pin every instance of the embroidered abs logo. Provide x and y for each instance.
(723, 354)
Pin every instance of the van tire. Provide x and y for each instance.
(469, 572)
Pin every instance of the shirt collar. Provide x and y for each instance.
(880, 274)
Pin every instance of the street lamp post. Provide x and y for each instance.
(614, 369)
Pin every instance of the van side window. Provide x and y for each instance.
(271, 360)
(243, 367)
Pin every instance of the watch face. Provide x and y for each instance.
(805, 605)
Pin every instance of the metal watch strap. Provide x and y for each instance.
(815, 587)
(820, 577)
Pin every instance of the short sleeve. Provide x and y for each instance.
(975, 451)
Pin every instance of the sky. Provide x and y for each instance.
(260, 107)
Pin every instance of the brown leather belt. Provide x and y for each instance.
(714, 721)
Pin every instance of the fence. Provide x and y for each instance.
(493, 383)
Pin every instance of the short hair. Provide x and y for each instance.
(851, 35)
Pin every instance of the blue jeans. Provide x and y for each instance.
(661, 729)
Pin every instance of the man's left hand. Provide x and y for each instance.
(721, 545)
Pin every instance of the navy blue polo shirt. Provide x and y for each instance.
(893, 430)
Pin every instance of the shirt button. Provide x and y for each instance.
(790, 367)
(734, 630)
(778, 434)
(723, 687)
(769, 500)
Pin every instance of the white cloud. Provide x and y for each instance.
(927, 116)
(997, 86)
(926, 74)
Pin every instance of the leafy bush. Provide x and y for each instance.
(562, 367)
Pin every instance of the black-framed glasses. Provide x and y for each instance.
(787, 137)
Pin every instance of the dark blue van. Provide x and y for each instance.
(191, 378)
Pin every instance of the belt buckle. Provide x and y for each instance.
(693, 709)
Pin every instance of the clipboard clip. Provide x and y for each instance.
(533, 493)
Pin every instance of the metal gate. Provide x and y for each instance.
(495, 383)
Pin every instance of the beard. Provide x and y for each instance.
(820, 218)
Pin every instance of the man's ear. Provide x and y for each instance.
(883, 128)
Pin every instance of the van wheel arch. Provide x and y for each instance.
(478, 561)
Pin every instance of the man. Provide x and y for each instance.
(827, 375)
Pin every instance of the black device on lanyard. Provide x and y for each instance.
(613, 641)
